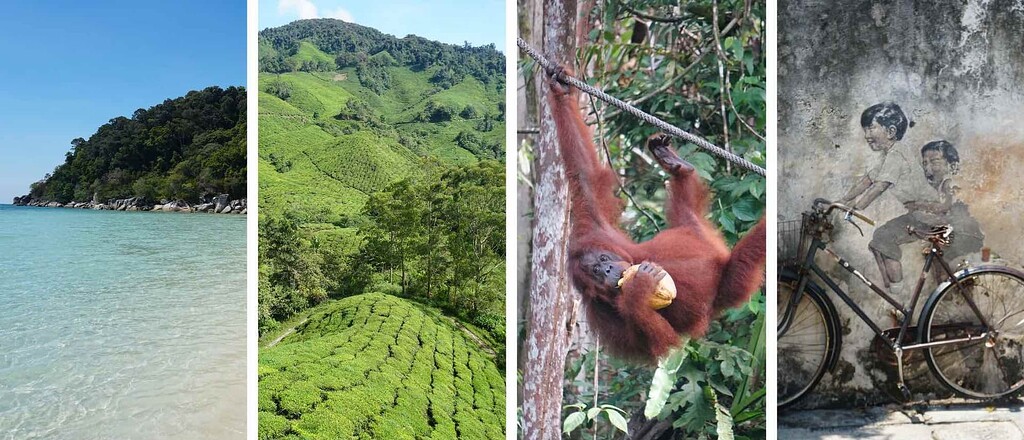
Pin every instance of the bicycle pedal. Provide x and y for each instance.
(905, 391)
(896, 315)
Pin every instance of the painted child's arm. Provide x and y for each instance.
(872, 192)
(947, 194)
(941, 207)
(863, 184)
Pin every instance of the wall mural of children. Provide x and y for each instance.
(940, 162)
(884, 125)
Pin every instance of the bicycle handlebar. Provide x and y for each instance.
(830, 205)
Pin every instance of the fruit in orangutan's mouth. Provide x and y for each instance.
(663, 294)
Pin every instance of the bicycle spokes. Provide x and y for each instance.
(985, 361)
(804, 346)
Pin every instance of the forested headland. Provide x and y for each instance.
(381, 170)
(180, 152)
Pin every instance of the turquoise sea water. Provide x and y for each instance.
(121, 325)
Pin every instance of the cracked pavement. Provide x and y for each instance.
(952, 419)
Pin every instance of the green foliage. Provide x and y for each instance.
(583, 415)
(697, 92)
(438, 112)
(280, 164)
(309, 58)
(358, 110)
(469, 112)
(475, 144)
(443, 240)
(376, 366)
(184, 148)
(279, 89)
(290, 275)
(374, 76)
(445, 78)
(692, 386)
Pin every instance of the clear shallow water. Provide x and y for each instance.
(123, 325)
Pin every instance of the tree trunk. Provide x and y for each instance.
(430, 274)
(550, 303)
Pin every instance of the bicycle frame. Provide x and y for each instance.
(809, 266)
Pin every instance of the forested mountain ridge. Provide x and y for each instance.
(380, 170)
(350, 45)
(189, 148)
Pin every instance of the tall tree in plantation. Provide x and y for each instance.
(478, 241)
(434, 256)
(390, 238)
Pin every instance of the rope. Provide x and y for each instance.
(553, 69)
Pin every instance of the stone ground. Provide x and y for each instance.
(945, 420)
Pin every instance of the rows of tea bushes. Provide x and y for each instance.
(375, 366)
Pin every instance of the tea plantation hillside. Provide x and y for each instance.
(346, 110)
(378, 366)
(315, 161)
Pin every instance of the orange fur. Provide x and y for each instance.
(708, 277)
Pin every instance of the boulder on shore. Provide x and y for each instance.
(177, 206)
(220, 202)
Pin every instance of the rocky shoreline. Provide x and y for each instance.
(220, 204)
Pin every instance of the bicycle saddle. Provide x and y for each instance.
(941, 234)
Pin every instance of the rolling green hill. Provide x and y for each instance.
(377, 366)
(308, 152)
(346, 110)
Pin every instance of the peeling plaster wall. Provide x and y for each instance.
(957, 69)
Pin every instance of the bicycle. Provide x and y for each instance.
(971, 327)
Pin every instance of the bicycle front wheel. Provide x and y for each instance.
(991, 365)
(806, 346)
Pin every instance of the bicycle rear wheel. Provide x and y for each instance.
(806, 347)
(990, 367)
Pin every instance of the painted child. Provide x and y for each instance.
(898, 174)
(941, 161)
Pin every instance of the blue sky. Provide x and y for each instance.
(450, 21)
(70, 66)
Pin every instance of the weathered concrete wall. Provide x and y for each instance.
(957, 69)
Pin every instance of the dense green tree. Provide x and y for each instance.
(477, 224)
(290, 270)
